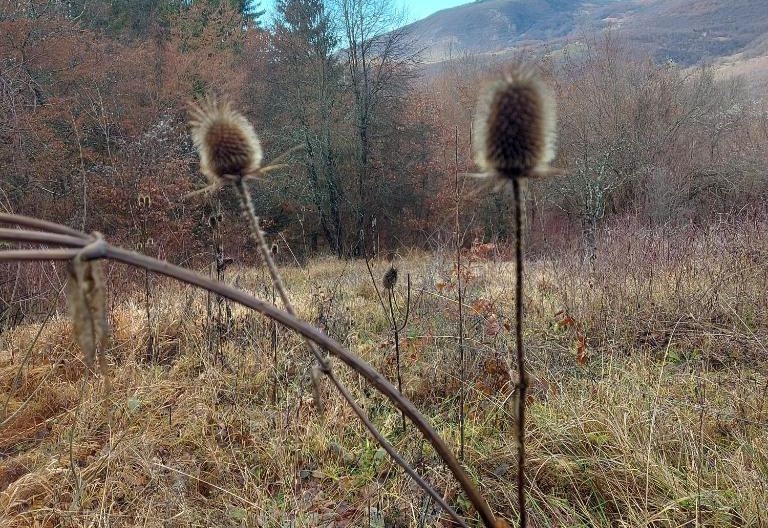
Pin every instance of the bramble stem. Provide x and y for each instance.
(96, 248)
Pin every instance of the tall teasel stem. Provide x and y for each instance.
(515, 130)
(522, 384)
(258, 236)
(462, 359)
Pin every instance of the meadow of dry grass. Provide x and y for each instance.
(647, 405)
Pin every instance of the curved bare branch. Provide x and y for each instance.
(81, 240)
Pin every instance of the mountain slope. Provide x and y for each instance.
(686, 31)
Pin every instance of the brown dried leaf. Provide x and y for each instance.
(86, 297)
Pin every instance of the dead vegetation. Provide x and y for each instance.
(646, 405)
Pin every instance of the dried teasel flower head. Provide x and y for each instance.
(215, 220)
(390, 278)
(515, 127)
(228, 146)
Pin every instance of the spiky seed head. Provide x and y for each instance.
(215, 220)
(515, 127)
(390, 278)
(226, 142)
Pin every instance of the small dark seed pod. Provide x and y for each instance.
(275, 249)
(390, 278)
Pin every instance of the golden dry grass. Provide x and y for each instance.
(647, 404)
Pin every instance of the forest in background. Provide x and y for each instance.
(93, 117)
(645, 302)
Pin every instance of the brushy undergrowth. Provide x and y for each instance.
(647, 400)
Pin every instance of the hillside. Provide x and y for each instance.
(685, 31)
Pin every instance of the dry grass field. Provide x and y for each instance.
(647, 406)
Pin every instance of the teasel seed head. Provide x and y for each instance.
(390, 278)
(215, 220)
(228, 146)
(515, 127)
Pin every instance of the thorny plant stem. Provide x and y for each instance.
(522, 385)
(396, 335)
(395, 326)
(255, 227)
(462, 366)
(94, 248)
(325, 366)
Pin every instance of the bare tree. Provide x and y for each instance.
(379, 60)
(307, 80)
(630, 128)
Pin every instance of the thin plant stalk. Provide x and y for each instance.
(151, 352)
(392, 318)
(273, 344)
(701, 390)
(258, 235)
(396, 335)
(460, 337)
(396, 329)
(522, 385)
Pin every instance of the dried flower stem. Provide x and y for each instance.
(258, 236)
(522, 385)
(460, 338)
(389, 281)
